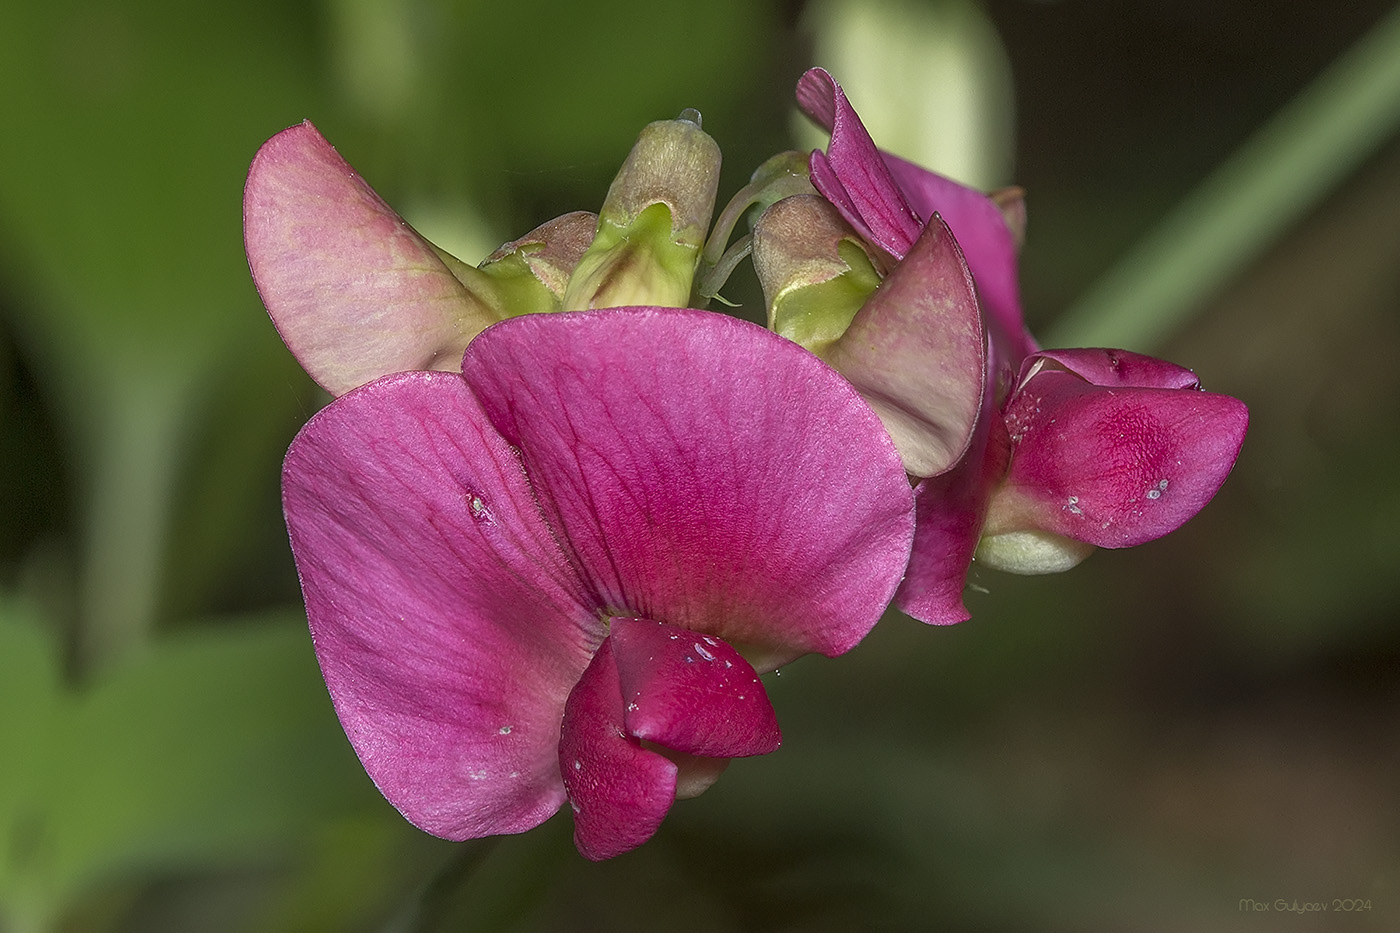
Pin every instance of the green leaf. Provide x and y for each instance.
(217, 748)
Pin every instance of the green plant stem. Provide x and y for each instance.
(1285, 169)
(134, 459)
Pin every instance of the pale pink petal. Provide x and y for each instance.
(620, 792)
(987, 242)
(449, 627)
(354, 291)
(691, 692)
(917, 353)
(1114, 368)
(704, 472)
(851, 173)
(1114, 466)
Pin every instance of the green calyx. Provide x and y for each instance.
(815, 273)
(527, 275)
(652, 226)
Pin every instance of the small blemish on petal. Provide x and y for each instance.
(480, 512)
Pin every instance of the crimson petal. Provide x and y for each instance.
(691, 692)
(1104, 367)
(1114, 467)
(851, 173)
(949, 512)
(620, 792)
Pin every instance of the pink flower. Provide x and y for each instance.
(1067, 450)
(558, 573)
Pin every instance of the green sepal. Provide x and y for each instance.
(814, 271)
(652, 226)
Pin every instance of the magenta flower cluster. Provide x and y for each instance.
(554, 525)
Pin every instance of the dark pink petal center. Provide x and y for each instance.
(691, 692)
(620, 792)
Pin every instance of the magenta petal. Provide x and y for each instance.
(620, 792)
(354, 291)
(1114, 467)
(987, 242)
(1116, 368)
(950, 510)
(852, 174)
(448, 626)
(691, 692)
(917, 353)
(705, 472)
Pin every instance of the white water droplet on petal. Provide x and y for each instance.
(700, 650)
(479, 509)
(504, 730)
(728, 663)
(1072, 504)
(578, 765)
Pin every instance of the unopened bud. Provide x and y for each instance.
(652, 226)
(814, 272)
(529, 274)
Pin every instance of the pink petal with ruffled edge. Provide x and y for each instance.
(620, 792)
(917, 353)
(704, 471)
(448, 625)
(851, 174)
(1114, 466)
(691, 692)
(354, 291)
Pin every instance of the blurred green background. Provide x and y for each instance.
(1189, 735)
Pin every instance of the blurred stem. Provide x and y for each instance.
(1289, 165)
(136, 425)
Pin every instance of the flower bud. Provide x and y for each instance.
(653, 223)
(814, 272)
(529, 275)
